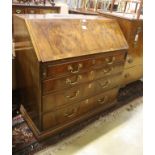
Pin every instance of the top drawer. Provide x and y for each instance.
(83, 64)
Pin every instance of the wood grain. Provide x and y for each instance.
(73, 37)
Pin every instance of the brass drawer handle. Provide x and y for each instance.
(71, 69)
(105, 84)
(136, 37)
(68, 81)
(71, 114)
(73, 96)
(136, 40)
(110, 61)
(92, 75)
(108, 70)
(18, 11)
(103, 100)
(130, 59)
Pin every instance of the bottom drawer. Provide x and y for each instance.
(64, 115)
(132, 74)
(103, 99)
(60, 116)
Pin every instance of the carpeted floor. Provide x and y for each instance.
(24, 142)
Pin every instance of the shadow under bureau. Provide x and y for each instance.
(68, 68)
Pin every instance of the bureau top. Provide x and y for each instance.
(58, 36)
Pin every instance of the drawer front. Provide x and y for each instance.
(108, 82)
(60, 116)
(132, 74)
(104, 99)
(109, 70)
(110, 59)
(76, 67)
(51, 101)
(72, 68)
(74, 80)
(66, 82)
(67, 113)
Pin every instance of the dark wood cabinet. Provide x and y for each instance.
(69, 68)
(34, 9)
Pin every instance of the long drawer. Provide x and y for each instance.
(74, 80)
(78, 109)
(73, 67)
(51, 101)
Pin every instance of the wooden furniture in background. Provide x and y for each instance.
(34, 9)
(69, 68)
(119, 6)
(133, 32)
(82, 11)
(126, 6)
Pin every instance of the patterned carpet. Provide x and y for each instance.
(24, 142)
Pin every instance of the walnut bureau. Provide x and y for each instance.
(133, 32)
(69, 68)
